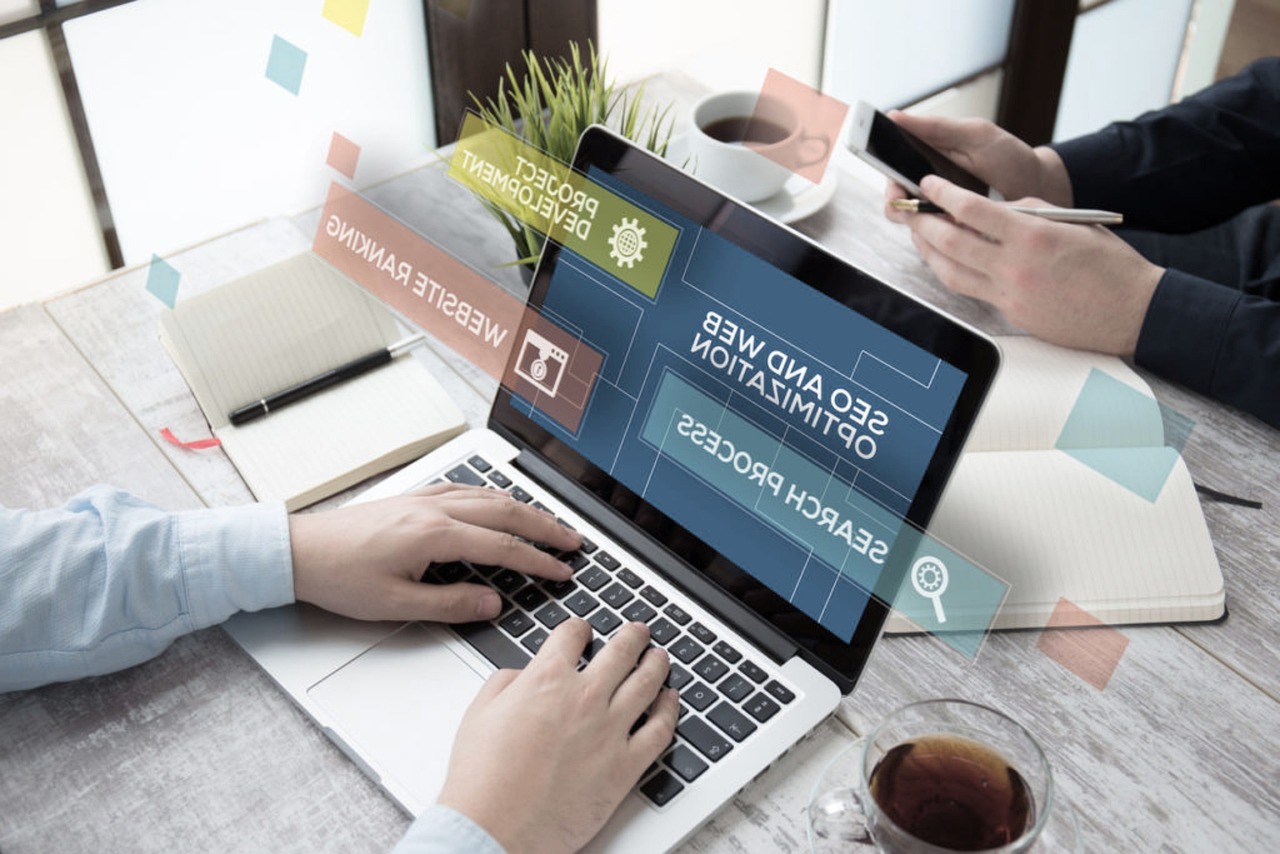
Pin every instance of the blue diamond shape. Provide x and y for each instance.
(286, 64)
(162, 281)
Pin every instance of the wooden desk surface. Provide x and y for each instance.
(198, 750)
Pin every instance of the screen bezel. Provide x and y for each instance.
(778, 245)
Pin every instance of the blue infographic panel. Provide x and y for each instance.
(783, 428)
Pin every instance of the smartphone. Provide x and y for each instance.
(901, 156)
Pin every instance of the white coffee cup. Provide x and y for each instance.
(740, 142)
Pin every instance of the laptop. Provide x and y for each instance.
(748, 442)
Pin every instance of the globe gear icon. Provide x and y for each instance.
(628, 242)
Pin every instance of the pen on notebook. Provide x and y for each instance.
(1081, 215)
(317, 383)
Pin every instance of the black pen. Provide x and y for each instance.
(332, 377)
(1081, 215)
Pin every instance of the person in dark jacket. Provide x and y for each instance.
(1189, 287)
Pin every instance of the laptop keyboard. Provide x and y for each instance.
(725, 697)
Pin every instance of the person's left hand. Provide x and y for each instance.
(366, 560)
(1075, 285)
(544, 755)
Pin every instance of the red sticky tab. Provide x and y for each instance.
(196, 445)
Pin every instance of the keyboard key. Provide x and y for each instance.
(663, 631)
(446, 573)
(463, 474)
(560, 589)
(653, 596)
(698, 696)
(516, 623)
(520, 495)
(685, 762)
(593, 578)
(529, 598)
(661, 788)
(485, 569)
(711, 668)
(581, 603)
(638, 612)
(780, 692)
(551, 615)
(678, 614)
(732, 721)
(726, 652)
(686, 650)
(608, 561)
(499, 479)
(678, 677)
(479, 463)
(490, 642)
(629, 578)
(508, 581)
(753, 672)
(704, 739)
(761, 707)
(576, 561)
(735, 688)
(604, 621)
(702, 633)
(534, 640)
(587, 546)
(617, 595)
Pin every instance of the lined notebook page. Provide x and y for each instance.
(287, 323)
(326, 443)
(1037, 387)
(271, 329)
(1053, 527)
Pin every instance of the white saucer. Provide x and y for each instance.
(797, 199)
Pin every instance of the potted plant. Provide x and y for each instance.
(551, 105)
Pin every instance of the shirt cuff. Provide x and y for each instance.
(1184, 329)
(235, 559)
(442, 830)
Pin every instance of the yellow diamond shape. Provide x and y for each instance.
(348, 14)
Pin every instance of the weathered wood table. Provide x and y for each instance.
(197, 750)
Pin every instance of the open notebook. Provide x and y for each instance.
(266, 331)
(1115, 528)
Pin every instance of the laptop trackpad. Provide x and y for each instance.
(398, 705)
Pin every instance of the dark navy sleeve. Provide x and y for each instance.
(1190, 165)
(1215, 340)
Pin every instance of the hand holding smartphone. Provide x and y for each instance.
(902, 156)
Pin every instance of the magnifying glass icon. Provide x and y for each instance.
(929, 578)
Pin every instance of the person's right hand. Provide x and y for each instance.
(365, 560)
(1013, 168)
(546, 754)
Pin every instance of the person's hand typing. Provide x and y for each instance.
(366, 560)
(546, 754)
(1075, 285)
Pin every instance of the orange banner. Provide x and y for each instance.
(463, 309)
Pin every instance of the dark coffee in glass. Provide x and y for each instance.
(952, 792)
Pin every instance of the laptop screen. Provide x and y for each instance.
(763, 409)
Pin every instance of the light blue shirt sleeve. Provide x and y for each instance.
(441, 830)
(109, 581)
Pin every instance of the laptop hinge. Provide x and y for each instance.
(771, 641)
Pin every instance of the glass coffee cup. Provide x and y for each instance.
(941, 776)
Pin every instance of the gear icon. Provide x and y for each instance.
(628, 242)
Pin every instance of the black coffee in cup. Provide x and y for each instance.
(952, 792)
(745, 129)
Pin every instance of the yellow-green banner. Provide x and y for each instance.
(548, 196)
